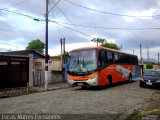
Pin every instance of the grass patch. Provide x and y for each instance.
(136, 115)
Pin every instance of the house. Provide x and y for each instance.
(14, 70)
(36, 65)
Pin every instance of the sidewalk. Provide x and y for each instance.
(11, 92)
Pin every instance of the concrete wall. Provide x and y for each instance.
(30, 70)
(55, 66)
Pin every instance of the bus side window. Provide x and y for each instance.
(116, 57)
(102, 60)
(122, 58)
(113, 57)
(109, 57)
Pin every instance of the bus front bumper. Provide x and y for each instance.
(90, 82)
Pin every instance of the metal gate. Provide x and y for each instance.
(14, 71)
(38, 77)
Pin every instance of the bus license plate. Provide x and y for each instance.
(148, 83)
(80, 84)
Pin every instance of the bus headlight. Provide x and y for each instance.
(93, 80)
(94, 77)
(68, 78)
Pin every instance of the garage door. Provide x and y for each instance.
(14, 71)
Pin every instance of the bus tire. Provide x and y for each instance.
(109, 81)
(130, 78)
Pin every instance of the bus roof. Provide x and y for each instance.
(100, 47)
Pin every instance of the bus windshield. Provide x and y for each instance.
(82, 61)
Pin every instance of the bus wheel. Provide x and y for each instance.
(130, 78)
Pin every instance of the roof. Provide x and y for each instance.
(24, 53)
(12, 57)
(100, 47)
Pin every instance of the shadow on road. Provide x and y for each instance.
(105, 86)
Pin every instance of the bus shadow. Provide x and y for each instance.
(106, 87)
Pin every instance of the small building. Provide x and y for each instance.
(55, 67)
(36, 65)
(36, 68)
(14, 71)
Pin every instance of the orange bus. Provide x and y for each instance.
(98, 66)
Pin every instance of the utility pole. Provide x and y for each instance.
(133, 52)
(148, 53)
(64, 45)
(158, 59)
(141, 53)
(46, 47)
(63, 69)
(61, 54)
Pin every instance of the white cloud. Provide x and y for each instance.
(69, 47)
(149, 12)
(19, 30)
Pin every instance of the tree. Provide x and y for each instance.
(110, 45)
(98, 40)
(64, 56)
(37, 45)
(149, 66)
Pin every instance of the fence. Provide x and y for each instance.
(53, 77)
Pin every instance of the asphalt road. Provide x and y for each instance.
(76, 103)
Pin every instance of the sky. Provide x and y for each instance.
(128, 23)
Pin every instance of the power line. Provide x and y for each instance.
(16, 13)
(31, 17)
(55, 18)
(64, 14)
(104, 12)
(37, 19)
(16, 4)
(69, 21)
(106, 27)
(54, 5)
(74, 30)
(61, 12)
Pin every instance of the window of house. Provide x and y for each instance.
(38, 64)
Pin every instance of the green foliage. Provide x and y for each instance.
(105, 44)
(98, 40)
(63, 56)
(110, 45)
(149, 66)
(37, 45)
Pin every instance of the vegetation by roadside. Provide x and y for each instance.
(150, 110)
